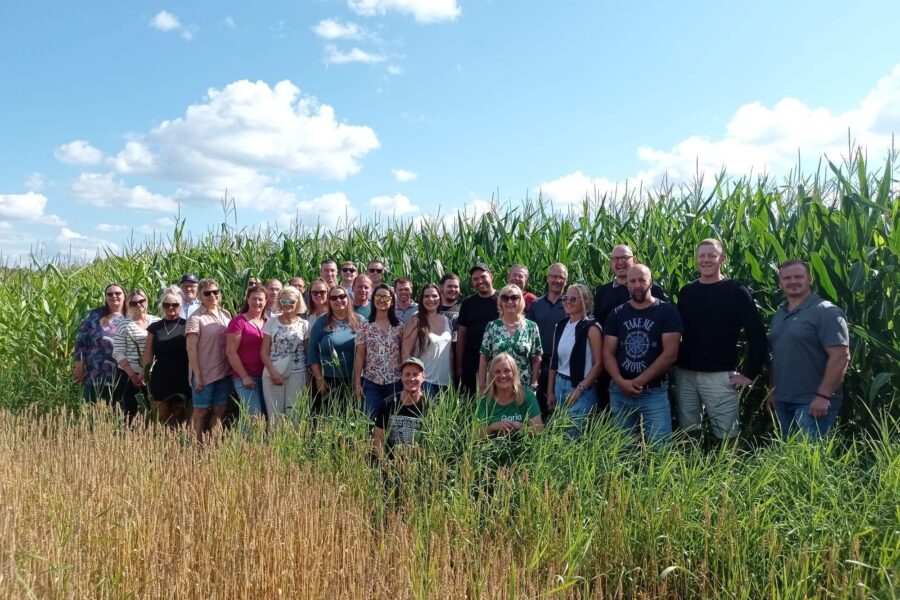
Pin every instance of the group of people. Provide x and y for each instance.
(522, 358)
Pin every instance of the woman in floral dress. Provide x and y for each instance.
(514, 334)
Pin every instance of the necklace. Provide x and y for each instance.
(170, 331)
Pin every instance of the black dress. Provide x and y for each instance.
(169, 378)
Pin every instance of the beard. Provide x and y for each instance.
(640, 295)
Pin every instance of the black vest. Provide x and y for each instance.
(579, 350)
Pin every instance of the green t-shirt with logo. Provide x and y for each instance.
(489, 412)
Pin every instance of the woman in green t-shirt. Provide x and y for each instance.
(507, 405)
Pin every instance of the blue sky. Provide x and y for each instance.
(116, 115)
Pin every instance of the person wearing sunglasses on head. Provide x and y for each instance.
(243, 347)
(376, 367)
(577, 359)
(284, 355)
(332, 346)
(94, 366)
(514, 334)
(166, 352)
(210, 384)
(128, 352)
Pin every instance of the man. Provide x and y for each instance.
(715, 311)
(611, 295)
(450, 302)
(376, 271)
(401, 420)
(299, 283)
(328, 272)
(640, 344)
(475, 313)
(191, 303)
(362, 289)
(547, 311)
(810, 354)
(348, 274)
(273, 289)
(404, 307)
(518, 275)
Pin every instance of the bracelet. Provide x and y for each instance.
(581, 387)
(823, 396)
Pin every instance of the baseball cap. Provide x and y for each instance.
(480, 266)
(188, 278)
(412, 360)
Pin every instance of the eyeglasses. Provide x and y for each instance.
(382, 297)
(621, 258)
(510, 298)
(140, 302)
(569, 298)
(318, 292)
(209, 293)
(373, 270)
(171, 304)
(114, 294)
(287, 301)
(338, 298)
(348, 269)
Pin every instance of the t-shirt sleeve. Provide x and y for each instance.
(192, 325)
(833, 328)
(463, 317)
(235, 326)
(530, 407)
(361, 333)
(612, 325)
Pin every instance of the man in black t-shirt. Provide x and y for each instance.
(610, 295)
(715, 311)
(450, 302)
(640, 344)
(475, 313)
(401, 419)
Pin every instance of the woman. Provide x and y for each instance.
(166, 350)
(376, 368)
(210, 384)
(576, 361)
(507, 406)
(318, 301)
(284, 355)
(94, 366)
(514, 334)
(243, 348)
(332, 342)
(428, 337)
(128, 352)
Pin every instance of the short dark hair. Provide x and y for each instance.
(447, 277)
(795, 261)
(403, 279)
(328, 260)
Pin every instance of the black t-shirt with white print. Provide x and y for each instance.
(401, 422)
(640, 334)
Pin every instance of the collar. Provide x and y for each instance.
(813, 298)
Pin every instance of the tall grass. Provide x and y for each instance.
(92, 510)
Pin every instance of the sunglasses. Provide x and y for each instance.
(114, 294)
(171, 304)
(569, 298)
(318, 293)
(337, 298)
(287, 301)
(621, 258)
(348, 270)
(510, 298)
(384, 297)
(209, 293)
(371, 270)
(140, 302)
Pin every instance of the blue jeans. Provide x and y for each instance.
(375, 394)
(792, 417)
(579, 411)
(651, 407)
(215, 393)
(250, 399)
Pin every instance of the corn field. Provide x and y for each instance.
(94, 509)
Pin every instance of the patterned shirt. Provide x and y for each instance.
(94, 347)
(382, 364)
(129, 343)
(288, 341)
(523, 344)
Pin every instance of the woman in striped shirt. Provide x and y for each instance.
(128, 350)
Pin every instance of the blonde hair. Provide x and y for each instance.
(295, 293)
(712, 242)
(506, 289)
(518, 390)
(172, 290)
(585, 294)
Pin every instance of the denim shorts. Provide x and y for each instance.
(213, 394)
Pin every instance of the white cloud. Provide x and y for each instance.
(165, 222)
(423, 11)
(334, 56)
(102, 189)
(759, 139)
(135, 158)
(332, 29)
(28, 207)
(35, 182)
(79, 152)
(395, 70)
(397, 204)
(165, 21)
(403, 176)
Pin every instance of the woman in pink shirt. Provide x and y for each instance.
(243, 343)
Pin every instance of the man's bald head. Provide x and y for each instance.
(640, 280)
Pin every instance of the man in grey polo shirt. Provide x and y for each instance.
(810, 353)
(547, 311)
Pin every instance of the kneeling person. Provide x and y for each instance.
(401, 418)
(507, 406)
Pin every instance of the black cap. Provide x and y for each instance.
(480, 266)
(188, 278)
